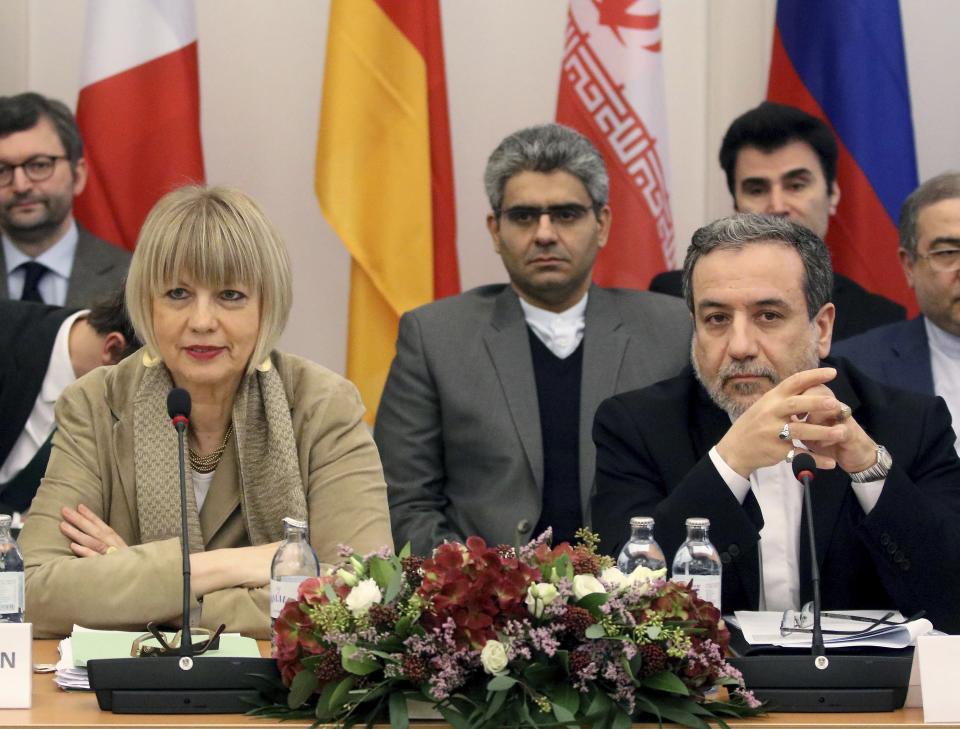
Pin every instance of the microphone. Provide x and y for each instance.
(178, 408)
(804, 470)
(180, 684)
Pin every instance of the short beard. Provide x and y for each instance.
(733, 406)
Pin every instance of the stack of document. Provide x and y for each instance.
(84, 645)
(763, 628)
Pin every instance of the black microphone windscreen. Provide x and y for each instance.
(178, 403)
(804, 462)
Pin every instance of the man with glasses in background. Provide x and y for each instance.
(484, 425)
(923, 354)
(44, 255)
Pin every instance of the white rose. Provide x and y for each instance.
(584, 585)
(614, 577)
(646, 575)
(361, 597)
(494, 657)
(539, 596)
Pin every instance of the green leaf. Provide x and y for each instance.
(565, 696)
(496, 701)
(595, 631)
(357, 666)
(684, 717)
(502, 682)
(621, 720)
(599, 705)
(398, 711)
(592, 602)
(405, 551)
(564, 715)
(302, 688)
(382, 571)
(564, 567)
(644, 704)
(540, 674)
(454, 718)
(340, 695)
(323, 702)
(668, 682)
(394, 585)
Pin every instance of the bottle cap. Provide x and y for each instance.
(5, 520)
(698, 521)
(296, 523)
(641, 521)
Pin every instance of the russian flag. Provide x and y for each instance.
(844, 62)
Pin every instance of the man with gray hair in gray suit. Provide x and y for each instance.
(484, 424)
(44, 255)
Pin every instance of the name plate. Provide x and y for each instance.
(938, 677)
(16, 665)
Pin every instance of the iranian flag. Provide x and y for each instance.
(138, 111)
(611, 90)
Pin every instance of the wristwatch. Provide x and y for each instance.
(878, 470)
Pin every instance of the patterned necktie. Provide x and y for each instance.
(33, 272)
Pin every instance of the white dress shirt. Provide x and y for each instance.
(40, 423)
(58, 258)
(945, 363)
(560, 332)
(780, 496)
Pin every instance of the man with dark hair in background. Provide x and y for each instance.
(42, 350)
(779, 160)
(718, 440)
(44, 255)
(923, 354)
(484, 425)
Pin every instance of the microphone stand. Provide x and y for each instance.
(186, 637)
(817, 648)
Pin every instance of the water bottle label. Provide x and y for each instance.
(11, 592)
(281, 590)
(707, 587)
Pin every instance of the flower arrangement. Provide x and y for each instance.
(498, 637)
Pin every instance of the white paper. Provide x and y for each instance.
(939, 676)
(16, 665)
(763, 628)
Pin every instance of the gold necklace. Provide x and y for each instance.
(209, 463)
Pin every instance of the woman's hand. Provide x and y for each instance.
(89, 535)
(221, 569)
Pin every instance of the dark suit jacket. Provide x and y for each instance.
(652, 459)
(897, 355)
(27, 334)
(98, 268)
(857, 309)
(459, 423)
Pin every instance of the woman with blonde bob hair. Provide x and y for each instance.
(271, 435)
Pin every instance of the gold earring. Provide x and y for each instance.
(265, 366)
(148, 359)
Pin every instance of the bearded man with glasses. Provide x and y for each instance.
(923, 354)
(484, 425)
(44, 255)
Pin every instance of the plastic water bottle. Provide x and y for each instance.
(697, 561)
(11, 575)
(294, 562)
(642, 550)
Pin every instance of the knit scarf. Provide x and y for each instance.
(270, 484)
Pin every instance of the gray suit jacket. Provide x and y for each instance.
(459, 424)
(98, 268)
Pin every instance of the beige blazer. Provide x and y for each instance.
(92, 463)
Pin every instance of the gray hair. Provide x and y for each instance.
(737, 231)
(936, 189)
(546, 148)
(23, 111)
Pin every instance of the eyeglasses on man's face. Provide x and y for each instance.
(37, 169)
(801, 621)
(942, 260)
(155, 643)
(523, 216)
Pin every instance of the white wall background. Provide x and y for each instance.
(261, 66)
